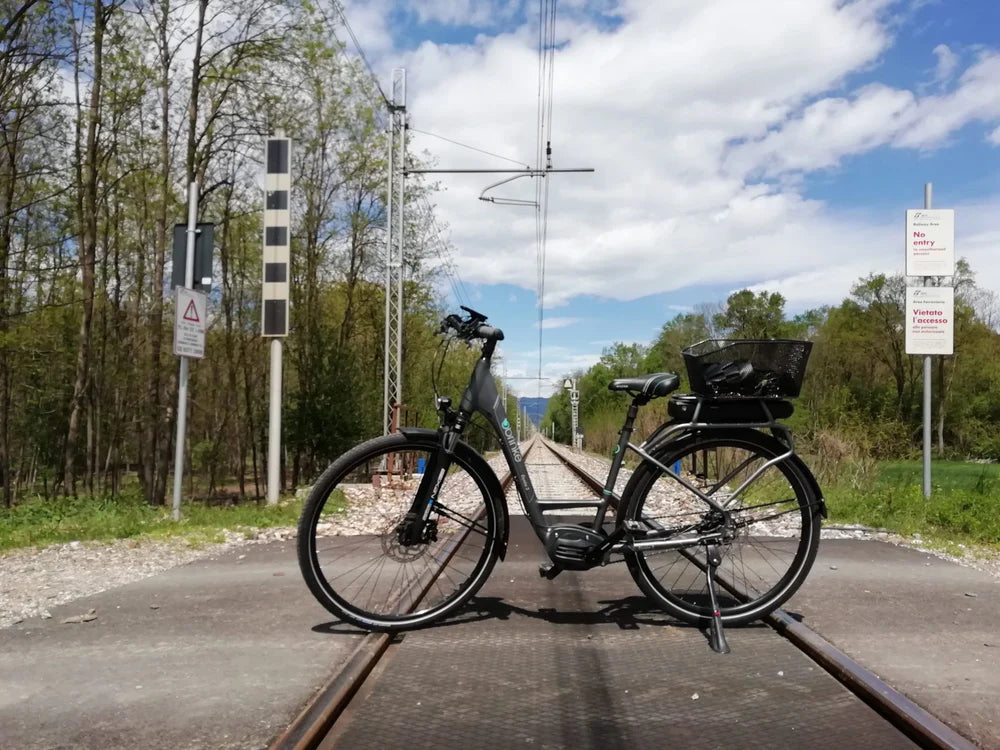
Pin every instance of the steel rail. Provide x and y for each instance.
(314, 722)
(915, 722)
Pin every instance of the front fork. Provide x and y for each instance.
(416, 527)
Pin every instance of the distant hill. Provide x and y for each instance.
(535, 407)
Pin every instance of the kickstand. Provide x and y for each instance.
(716, 636)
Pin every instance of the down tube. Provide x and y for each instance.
(487, 401)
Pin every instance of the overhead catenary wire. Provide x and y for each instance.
(447, 265)
(543, 151)
(357, 45)
(465, 145)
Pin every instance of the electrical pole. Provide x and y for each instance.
(392, 391)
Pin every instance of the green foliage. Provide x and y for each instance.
(39, 522)
(963, 505)
(750, 316)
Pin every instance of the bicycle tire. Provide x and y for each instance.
(397, 587)
(768, 559)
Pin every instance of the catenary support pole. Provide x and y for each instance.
(387, 373)
(182, 380)
(399, 232)
(928, 200)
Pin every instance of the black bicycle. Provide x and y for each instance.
(719, 523)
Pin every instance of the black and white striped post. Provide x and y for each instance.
(274, 310)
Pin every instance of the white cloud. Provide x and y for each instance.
(462, 12)
(557, 363)
(947, 63)
(994, 137)
(701, 119)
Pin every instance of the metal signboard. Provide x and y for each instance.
(930, 320)
(277, 250)
(204, 244)
(930, 242)
(190, 321)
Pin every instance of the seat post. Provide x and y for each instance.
(616, 459)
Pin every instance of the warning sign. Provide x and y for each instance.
(191, 312)
(189, 323)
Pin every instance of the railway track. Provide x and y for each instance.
(315, 720)
(557, 472)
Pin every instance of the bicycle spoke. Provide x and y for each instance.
(769, 523)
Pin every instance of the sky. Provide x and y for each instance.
(773, 144)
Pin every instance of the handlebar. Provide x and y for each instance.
(471, 327)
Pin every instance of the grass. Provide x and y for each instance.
(964, 507)
(39, 522)
(945, 475)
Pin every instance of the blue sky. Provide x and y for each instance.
(766, 145)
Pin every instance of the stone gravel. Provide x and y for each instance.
(34, 580)
(979, 558)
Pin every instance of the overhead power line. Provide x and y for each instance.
(465, 145)
(543, 148)
(450, 270)
(340, 11)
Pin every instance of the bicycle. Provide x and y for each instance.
(718, 524)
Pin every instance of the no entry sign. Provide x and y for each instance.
(930, 242)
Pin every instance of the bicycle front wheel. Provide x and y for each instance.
(774, 534)
(351, 552)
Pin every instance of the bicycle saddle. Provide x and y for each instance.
(652, 386)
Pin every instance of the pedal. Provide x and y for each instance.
(549, 570)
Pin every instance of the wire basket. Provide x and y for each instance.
(747, 368)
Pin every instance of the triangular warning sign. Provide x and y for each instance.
(191, 313)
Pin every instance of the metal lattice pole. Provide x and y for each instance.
(392, 391)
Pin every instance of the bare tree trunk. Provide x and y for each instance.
(152, 466)
(88, 250)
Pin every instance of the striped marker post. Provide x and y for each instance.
(274, 310)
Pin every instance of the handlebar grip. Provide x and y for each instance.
(489, 332)
(452, 321)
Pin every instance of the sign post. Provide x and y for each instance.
(184, 314)
(930, 309)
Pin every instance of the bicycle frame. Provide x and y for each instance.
(481, 396)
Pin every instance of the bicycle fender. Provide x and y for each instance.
(485, 471)
(812, 481)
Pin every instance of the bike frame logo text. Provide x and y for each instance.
(511, 439)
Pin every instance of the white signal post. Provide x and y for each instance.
(182, 380)
(574, 400)
(274, 289)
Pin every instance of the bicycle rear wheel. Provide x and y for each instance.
(349, 545)
(776, 519)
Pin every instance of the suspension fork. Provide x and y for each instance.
(452, 426)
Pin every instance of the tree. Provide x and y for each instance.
(750, 316)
